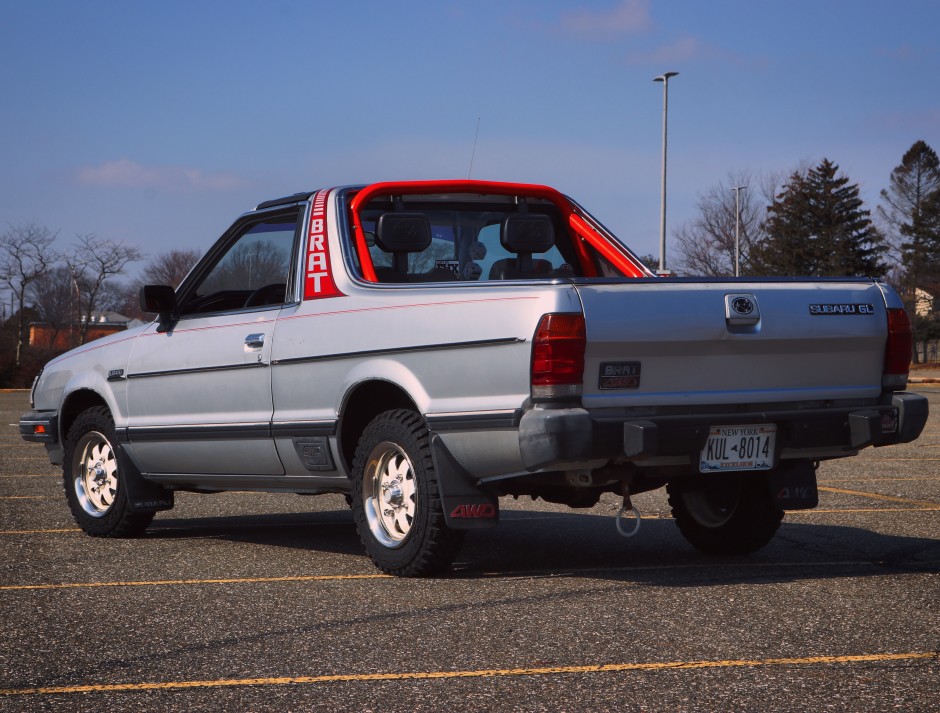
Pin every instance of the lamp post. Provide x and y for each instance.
(737, 228)
(664, 78)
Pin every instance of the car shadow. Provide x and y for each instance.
(327, 531)
(572, 544)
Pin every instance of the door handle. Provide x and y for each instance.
(254, 341)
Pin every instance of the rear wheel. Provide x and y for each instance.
(94, 486)
(395, 498)
(731, 513)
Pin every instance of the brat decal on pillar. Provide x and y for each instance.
(318, 277)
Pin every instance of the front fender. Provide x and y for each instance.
(90, 376)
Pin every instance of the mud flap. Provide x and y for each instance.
(466, 505)
(793, 486)
(142, 495)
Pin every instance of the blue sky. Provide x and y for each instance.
(158, 123)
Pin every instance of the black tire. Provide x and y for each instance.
(407, 536)
(94, 481)
(727, 514)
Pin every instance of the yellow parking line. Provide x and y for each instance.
(477, 673)
(481, 575)
(33, 475)
(39, 532)
(179, 582)
(840, 511)
(160, 528)
(916, 460)
(876, 496)
(876, 480)
(27, 497)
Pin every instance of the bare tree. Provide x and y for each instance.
(169, 268)
(93, 262)
(26, 255)
(249, 265)
(53, 296)
(112, 297)
(707, 244)
(910, 211)
(907, 202)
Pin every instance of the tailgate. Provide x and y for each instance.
(675, 343)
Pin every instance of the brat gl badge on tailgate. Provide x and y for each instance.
(619, 375)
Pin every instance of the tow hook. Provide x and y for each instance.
(625, 510)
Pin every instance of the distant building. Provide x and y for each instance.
(43, 336)
(923, 302)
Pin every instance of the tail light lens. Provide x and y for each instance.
(558, 356)
(897, 350)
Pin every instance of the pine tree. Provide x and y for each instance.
(787, 248)
(817, 226)
(912, 211)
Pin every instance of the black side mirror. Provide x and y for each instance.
(160, 299)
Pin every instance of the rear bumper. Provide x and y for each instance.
(558, 437)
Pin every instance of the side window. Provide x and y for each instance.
(437, 262)
(380, 258)
(489, 236)
(499, 262)
(251, 272)
(442, 250)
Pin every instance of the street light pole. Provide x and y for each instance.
(737, 229)
(664, 78)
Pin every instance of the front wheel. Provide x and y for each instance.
(725, 514)
(94, 485)
(395, 498)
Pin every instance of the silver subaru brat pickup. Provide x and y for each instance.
(428, 347)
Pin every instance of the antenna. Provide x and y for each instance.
(474, 152)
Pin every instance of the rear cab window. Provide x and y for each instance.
(466, 241)
(476, 231)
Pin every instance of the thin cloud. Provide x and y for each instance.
(684, 50)
(627, 17)
(924, 121)
(127, 173)
(904, 53)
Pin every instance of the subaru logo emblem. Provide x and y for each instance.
(742, 305)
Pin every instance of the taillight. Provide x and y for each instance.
(558, 356)
(897, 350)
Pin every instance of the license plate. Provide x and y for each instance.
(739, 448)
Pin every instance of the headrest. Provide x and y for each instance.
(527, 233)
(403, 232)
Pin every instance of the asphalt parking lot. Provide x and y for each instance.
(265, 602)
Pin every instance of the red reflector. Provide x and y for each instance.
(900, 343)
(558, 350)
(39, 429)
